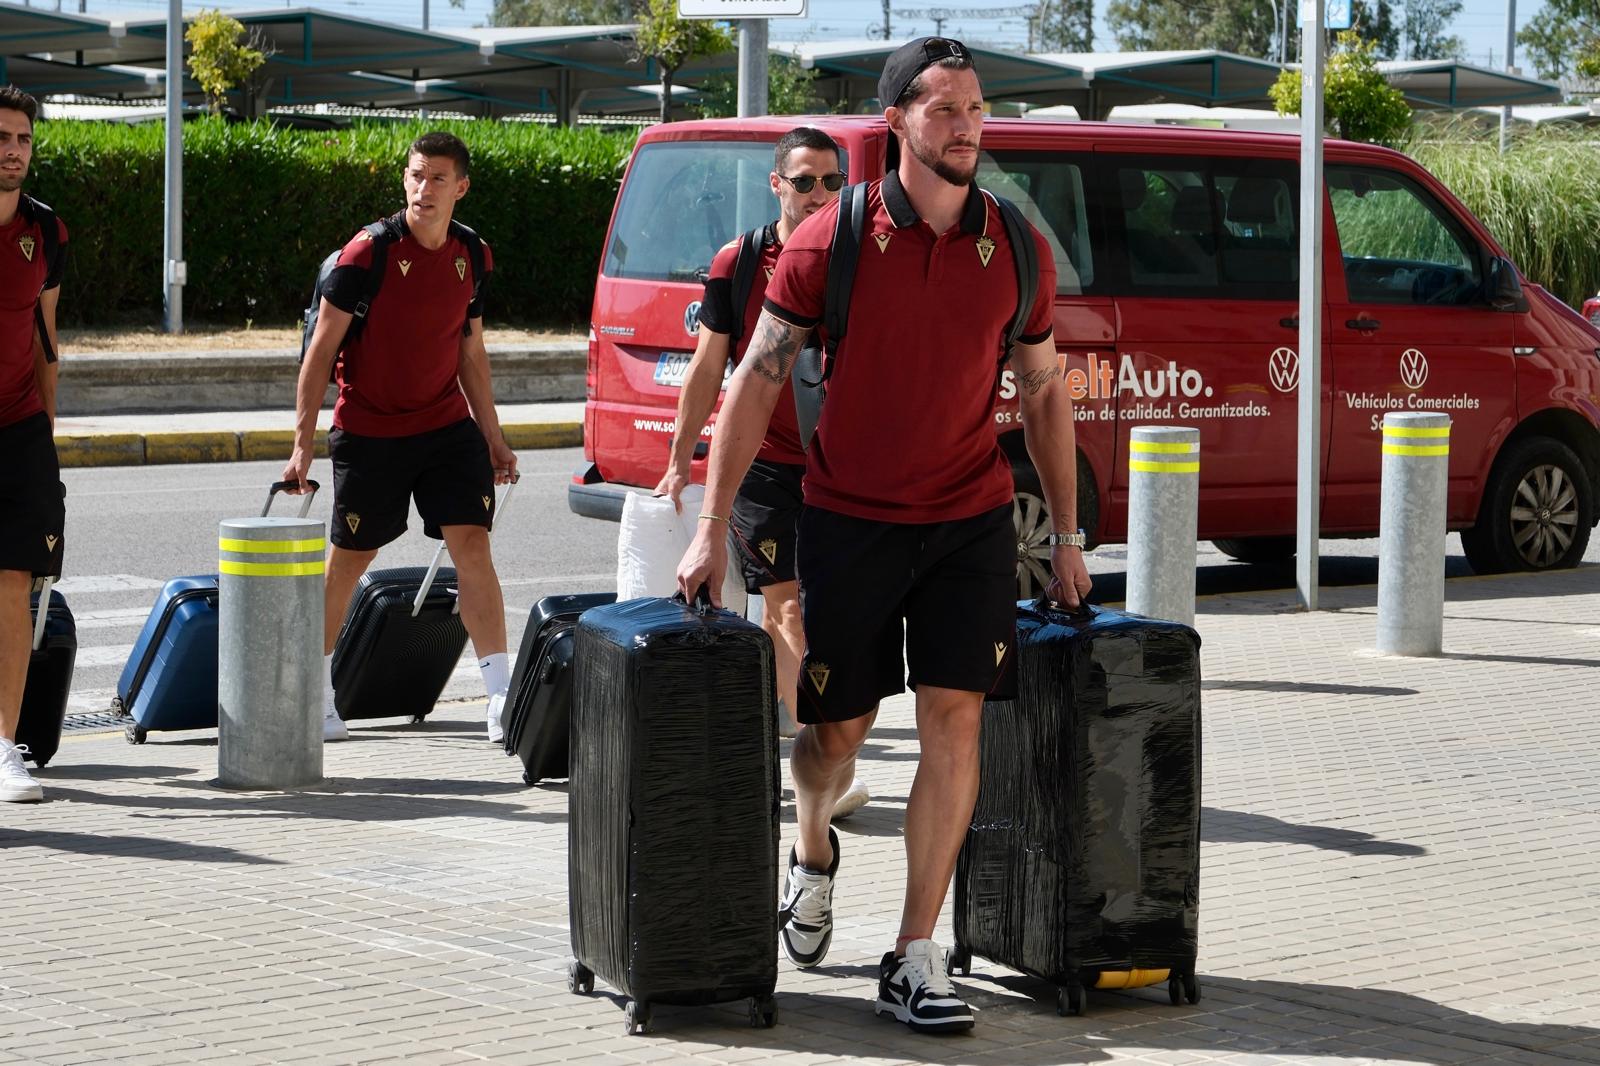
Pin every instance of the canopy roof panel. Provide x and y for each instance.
(1448, 85)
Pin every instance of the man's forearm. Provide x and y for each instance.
(1048, 432)
(478, 387)
(701, 386)
(752, 394)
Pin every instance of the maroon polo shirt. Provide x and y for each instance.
(23, 276)
(907, 432)
(782, 442)
(399, 378)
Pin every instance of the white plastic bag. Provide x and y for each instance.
(651, 543)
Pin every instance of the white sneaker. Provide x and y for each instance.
(852, 801)
(491, 716)
(333, 727)
(914, 988)
(786, 728)
(16, 785)
(805, 919)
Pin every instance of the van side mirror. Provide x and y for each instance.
(1503, 288)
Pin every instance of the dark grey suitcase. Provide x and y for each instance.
(49, 681)
(538, 715)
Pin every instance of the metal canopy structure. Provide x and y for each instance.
(1205, 77)
(848, 71)
(1447, 85)
(47, 77)
(35, 31)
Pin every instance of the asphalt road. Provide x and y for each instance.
(129, 529)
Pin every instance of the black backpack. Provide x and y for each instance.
(382, 234)
(813, 366)
(751, 242)
(43, 216)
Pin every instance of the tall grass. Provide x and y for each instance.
(1541, 199)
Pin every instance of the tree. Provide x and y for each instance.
(1563, 38)
(1375, 21)
(1066, 26)
(672, 41)
(1241, 26)
(219, 58)
(561, 12)
(791, 90)
(1425, 24)
(1358, 103)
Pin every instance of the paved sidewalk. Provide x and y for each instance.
(1401, 860)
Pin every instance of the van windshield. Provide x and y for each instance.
(683, 200)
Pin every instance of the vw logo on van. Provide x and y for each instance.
(691, 318)
(1283, 369)
(1413, 369)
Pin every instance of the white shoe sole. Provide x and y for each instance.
(850, 803)
(903, 1014)
(331, 732)
(21, 794)
(496, 736)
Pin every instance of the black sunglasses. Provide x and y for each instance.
(806, 182)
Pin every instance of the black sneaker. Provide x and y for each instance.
(915, 989)
(805, 918)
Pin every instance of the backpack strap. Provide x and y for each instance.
(44, 216)
(842, 259)
(1025, 257)
(382, 234)
(474, 243)
(751, 243)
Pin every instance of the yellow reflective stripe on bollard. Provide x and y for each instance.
(228, 566)
(1158, 447)
(271, 547)
(1415, 449)
(1189, 449)
(1416, 431)
(1147, 467)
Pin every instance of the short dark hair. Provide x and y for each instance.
(802, 137)
(914, 88)
(14, 99)
(441, 144)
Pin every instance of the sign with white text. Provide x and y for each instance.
(741, 9)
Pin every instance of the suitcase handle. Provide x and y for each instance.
(285, 486)
(438, 555)
(42, 613)
(702, 599)
(1049, 609)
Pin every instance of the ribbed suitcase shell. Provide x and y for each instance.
(1083, 856)
(673, 823)
(387, 664)
(170, 680)
(49, 681)
(538, 714)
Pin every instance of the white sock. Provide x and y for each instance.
(496, 670)
(328, 710)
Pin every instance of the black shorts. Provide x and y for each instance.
(447, 470)
(766, 517)
(947, 591)
(33, 510)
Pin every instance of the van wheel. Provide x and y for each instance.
(1536, 513)
(1030, 517)
(1257, 549)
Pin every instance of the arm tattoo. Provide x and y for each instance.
(1034, 380)
(774, 347)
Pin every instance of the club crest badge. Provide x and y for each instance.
(769, 548)
(819, 674)
(26, 243)
(883, 241)
(461, 267)
(353, 520)
(985, 250)
(405, 267)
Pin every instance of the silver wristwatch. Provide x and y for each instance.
(1069, 540)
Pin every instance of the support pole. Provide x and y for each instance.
(269, 653)
(1411, 533)
(752, 67)
(1511, 68)
(174, 270)
(1308, 459)
(1163, 516)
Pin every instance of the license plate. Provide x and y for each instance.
(673, 367)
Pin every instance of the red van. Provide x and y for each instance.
(1177, 253)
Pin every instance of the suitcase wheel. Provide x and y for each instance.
(636, 1018)
(1071, 1001)
(136, 733)
(1181, 987)
(959, 961)
(418, 719)
(580, 979)
(763, 1012)
(40, 764)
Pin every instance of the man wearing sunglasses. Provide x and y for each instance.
(806, 176)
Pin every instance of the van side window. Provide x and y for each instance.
(1049, 190)
(1221, 228)
(1399, 243)
(684, 200)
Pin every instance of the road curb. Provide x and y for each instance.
(223, 446)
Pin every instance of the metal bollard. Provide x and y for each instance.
(1411, 533)
(1163, 517)
(269, 645)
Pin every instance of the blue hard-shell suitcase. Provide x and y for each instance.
(170, 681)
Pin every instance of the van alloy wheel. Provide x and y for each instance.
(1544, 517)
(1031, 520)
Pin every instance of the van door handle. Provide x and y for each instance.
(1362, 323)
(1292, 322)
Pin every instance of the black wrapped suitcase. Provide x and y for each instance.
(1082, 863)
(389, 662)
(49, 681)
(538, 714)
(673, 808)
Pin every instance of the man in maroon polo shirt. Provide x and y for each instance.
(906, 535)
(415, 416)
(32, 512)
(807, 174)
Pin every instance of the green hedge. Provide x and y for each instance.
(263, 205)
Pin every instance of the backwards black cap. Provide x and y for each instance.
(911, 59)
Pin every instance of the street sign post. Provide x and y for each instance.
(741, 9)
(752, 17)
